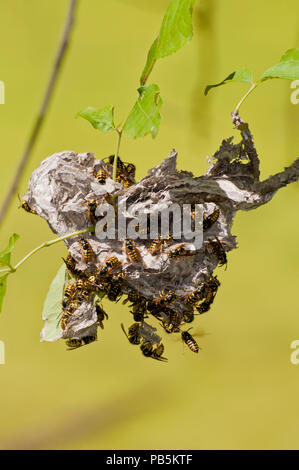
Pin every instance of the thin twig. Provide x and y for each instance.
(61, 52)
(119, 132)
(11, 269)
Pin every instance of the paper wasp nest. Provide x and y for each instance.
(166, 279)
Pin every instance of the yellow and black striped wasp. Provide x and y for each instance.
(101, 176)
(216, 248)
(133, 334)
(148, 350)
(209, 221)
(179, 251)
(71, 266)
(132, 251)
(125, 172)
(190, 341)
(87, 250)
(24, 205)
(74, 343)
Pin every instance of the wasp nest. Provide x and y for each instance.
(165, 278)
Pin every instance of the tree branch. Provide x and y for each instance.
(263, 191)
(248, 144)
(275, 182)
(60, 55)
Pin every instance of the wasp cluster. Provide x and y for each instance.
(166, 283)
(163, 281)
(170, 309)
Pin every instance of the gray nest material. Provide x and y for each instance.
(60, 188)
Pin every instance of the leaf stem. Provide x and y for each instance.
(119, 134)
(7, 270)
(44, 245)
(253, 86)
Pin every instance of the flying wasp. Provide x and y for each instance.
(217, 249)
(133, 333)
(190, 341)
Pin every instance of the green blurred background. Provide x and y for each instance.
(241, 391)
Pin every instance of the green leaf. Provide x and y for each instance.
(176, 31)
(288, 67)
(6, 254)
(242, 76)
(101, 119)
(3, 281)
(52, 308)
(291, 54)
(150, 62)
(145, 117)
